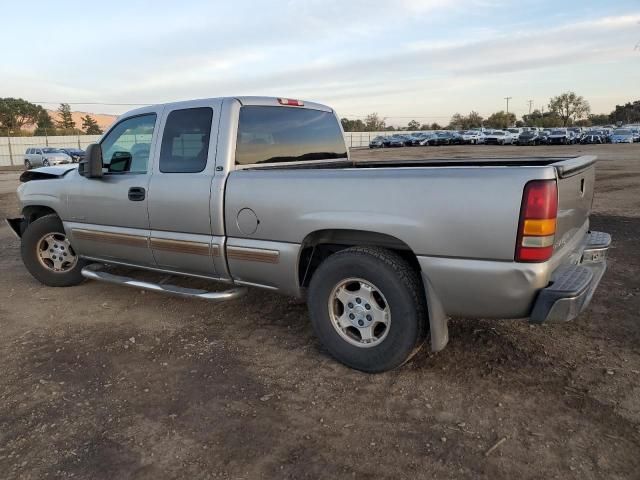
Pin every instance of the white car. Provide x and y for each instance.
(498, 137)
(44, 157)
(473, 137)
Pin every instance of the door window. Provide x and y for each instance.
(126, 147)
(185, 141)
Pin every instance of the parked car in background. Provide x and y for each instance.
(529, 137)
(429, 139)
(377, 142)
(515, 133)
(636, 134)
(76, 154)
(591, 138)
(577, 132)
(473, 137)
(622, 135)
(44, 157)
(497, 137)
(559, 136)
(604, 135)
(394, 141)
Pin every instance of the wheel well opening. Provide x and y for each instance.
(34, 212)
(319, 245)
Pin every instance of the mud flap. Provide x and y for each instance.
(17, 225)
(438, 328)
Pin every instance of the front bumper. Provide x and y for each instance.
(573, 286)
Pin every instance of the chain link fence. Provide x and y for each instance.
(12, 149)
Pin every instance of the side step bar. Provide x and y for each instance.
(93, 272)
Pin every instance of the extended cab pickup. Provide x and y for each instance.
(261, 192)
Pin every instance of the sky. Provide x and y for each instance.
(404, 59)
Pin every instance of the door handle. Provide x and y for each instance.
(136, 194)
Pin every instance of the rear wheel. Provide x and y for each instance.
(368, 309)
(48, 255)
(27, 165)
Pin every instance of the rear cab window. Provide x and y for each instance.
(272, 134)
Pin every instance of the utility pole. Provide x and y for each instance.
(530, 102)
(507, 99)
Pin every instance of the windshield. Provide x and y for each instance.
(558, 132)
(497, 133)
(621, 131)
(51, 150)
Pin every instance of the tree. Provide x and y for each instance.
(627, 113)
(413, 125)
(599, 119)
(569, 107)
(373, 123)
(435, 126)
(466, 122)
(44, 123)
(65, 120)
(90, 125)
(500, 119)
(352, 125)
(539, 119)
(16, 113)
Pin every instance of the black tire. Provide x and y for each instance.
(27, 165)
(45, 163)
(31, 237)
(401, 286)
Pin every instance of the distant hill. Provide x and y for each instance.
(104, 120)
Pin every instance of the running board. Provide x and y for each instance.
(92, 272)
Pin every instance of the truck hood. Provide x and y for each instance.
(45, 173)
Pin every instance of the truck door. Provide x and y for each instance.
(108, 216)
(180, 191)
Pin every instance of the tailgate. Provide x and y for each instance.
(576, 178)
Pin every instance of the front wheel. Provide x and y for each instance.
(45, 163)
(367, 307)
(27, 165)
(48, 255)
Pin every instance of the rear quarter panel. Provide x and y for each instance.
(462, 212)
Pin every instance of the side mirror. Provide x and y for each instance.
(91, 165)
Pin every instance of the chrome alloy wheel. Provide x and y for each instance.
(359, 312)
(55, 253)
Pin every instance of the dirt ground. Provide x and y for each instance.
(105, 382)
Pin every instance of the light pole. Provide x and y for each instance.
(507, 99)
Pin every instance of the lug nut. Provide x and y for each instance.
(350, 305)
(360, 322)
(358, 300)
(367, 306)
(369, 317)
(352, 316)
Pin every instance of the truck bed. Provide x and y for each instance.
(584, 162)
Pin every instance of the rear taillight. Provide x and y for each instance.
(291, 102)
(537, 226)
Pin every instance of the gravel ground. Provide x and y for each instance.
(104, 382)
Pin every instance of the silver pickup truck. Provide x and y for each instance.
(261, 192)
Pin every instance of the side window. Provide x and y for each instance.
(185, 141)
(29, 151)
(126, 147)
(38, 152)
(285, 134)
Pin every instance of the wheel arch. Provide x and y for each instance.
(318, 245)
(33, 212)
